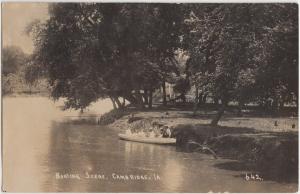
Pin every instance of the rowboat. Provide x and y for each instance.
(152, 140)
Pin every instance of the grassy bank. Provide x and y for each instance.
(27, 94)
(274, 155)
(259, 143)
(173, 116)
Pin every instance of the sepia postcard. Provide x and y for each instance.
(149, 97)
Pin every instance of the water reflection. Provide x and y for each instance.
(40, 140)
(79, 149)
(174, 173)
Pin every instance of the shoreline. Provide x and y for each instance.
(252, 148)
(27, 94)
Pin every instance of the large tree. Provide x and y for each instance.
(93, 50)
(243, 52)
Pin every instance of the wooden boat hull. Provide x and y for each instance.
(151, 140)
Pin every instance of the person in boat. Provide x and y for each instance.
(166, 132)
(154, 129)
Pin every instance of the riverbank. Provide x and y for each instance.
(265, 145)
(28, 94)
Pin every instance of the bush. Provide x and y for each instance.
(111, 116)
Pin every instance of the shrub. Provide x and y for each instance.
(111, 116)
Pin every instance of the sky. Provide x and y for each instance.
(15, 17)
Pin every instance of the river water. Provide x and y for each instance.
(46, 149)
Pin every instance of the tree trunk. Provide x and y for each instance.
(200, 96)
(274, 106)
(113, 102)
(130, 98)
(164, 93)
(139, 103)
(216, 101)
(281, 102)
(183, 98)
(204, 99)
(124, 102)
(297, 97)
(220, 113)
(146, 100)
(118, 102)
(196, 102)
(240, 107)
(150, 99)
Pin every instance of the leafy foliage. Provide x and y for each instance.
(236, 52)
(242, 48)
(95, 51)
(12, 59)
(244, 52)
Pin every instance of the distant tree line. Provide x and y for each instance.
(13, 58)
(235, 52)
(18, 75)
